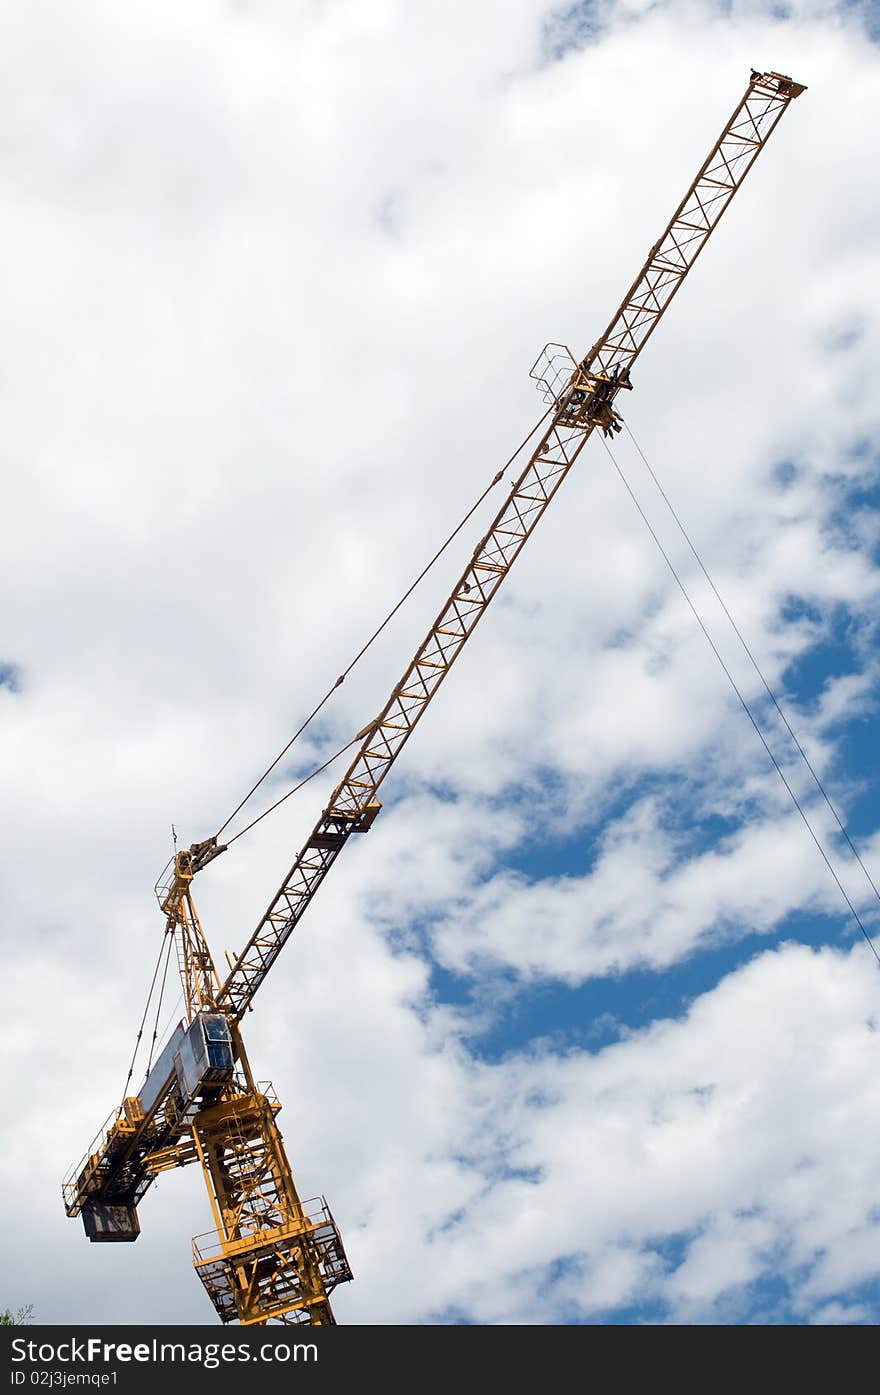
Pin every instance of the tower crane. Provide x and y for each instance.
(273, 1256)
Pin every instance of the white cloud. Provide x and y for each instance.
(275, 277)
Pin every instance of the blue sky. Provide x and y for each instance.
(582, 1031)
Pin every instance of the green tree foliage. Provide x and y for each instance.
(10, 1319)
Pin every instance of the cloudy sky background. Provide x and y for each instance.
(582, 1031)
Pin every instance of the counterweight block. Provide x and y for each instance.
(104, 1221)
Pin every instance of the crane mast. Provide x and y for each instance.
(273, 1256)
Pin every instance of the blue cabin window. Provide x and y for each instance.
(218, 1043)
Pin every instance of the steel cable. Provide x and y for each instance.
(159, 1003)
(294, 790)
(756, 666)
(373, 637)
(745, 706)
(146, 1010)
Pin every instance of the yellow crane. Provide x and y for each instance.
(274, 1256)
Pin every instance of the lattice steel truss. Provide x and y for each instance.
(198, 975)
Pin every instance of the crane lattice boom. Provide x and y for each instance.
(582, 403)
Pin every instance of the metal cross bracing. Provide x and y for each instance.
(273, 1257)
(272, 1254)
(198, 975)
(672, 256)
